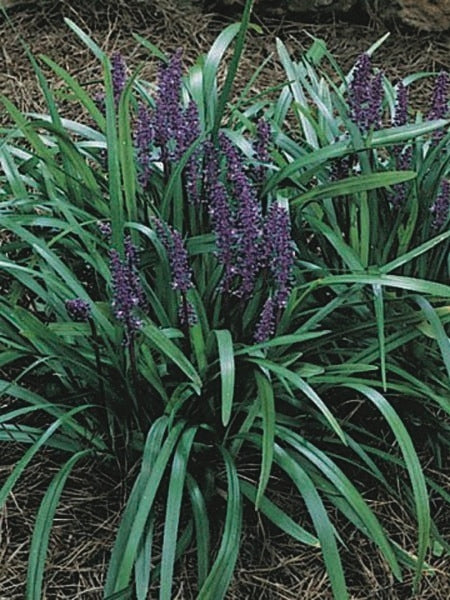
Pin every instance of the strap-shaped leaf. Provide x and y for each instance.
(43, 525)
(227, 372)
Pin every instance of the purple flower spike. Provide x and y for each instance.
(365, 95)
(401, 106)
(262, 144)
(376, 102)
(266, 324)
(441, 206)
(248, 219)
(167, 116)
(222, 217)
(119, 75)
(127, 290)
(78, 309)
(143, 138)
(188, 134)
(187, 314)
(402, 154)
(439, 102)
(403, 158)
(178, 258)
(280, 254)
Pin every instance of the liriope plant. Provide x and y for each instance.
(191, 281)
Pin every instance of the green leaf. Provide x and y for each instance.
(396, 281)
(278, 517)
(27, 457)
(379, 314)
(300, 384)
(353, 185)
(227, 372)
(342, 484)
(87, 41)
(137, 512)
(202, 530)
(43, 525)
(173, 510)
(414, 470)
(219, 578)
(169, 349)
(441, 335)
(266, 397)
(320, 519)
(233, 67)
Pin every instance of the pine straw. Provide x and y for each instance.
(173, 23)
(271, 565)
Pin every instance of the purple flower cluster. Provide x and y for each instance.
(119, 75)
(170, 127)
(127, 290)
(366, 95)
(78, 309)
(441, 206)
(279, 252)
(439, 102)
(248, 219)
(178, 258)
(266, 324)
(143, 138)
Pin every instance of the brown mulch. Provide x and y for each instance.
(173, 23)
(271, 565)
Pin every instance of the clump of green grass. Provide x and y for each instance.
(187, 279)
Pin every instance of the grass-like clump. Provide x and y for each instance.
(190, 277)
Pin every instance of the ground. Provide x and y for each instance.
(271, 566)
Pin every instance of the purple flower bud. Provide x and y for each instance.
(119, 75)
(280, 253)
(78, 309)
(99, 99)
(127, 290)
(266, 324)
(105, 229)
(441, 206)
(178, 258)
